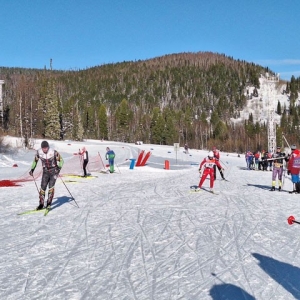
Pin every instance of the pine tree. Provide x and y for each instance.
(170, 133)
(221, 131)
(78, 129)
(123, 115)
(103, 131)
(278, 108)
(52, 121)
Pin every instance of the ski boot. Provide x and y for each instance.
(41, 206)
(272, 188)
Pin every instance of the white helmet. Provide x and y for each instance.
(210, 154)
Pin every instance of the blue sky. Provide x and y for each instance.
(80, 34)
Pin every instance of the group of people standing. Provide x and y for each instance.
(110, 156)
(259, 160)
(275, 162)
(52, 163)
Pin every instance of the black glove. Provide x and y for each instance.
(289, 172)
(57, 170)
(31, 172)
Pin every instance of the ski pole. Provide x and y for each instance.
(291, 220)
(68, 191)
(223, 162)
(118, 168)
(35, 184)
(102, 162)
(286, 141)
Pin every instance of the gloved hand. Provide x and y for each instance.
(57, 170)
(31, 172)
(289, 172)
(200, 172)
(222, 170)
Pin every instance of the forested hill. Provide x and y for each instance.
(186, 98)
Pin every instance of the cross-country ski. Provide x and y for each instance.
(32, 211)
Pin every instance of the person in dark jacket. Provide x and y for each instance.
(52, 163)
(216, 153)
(265, 161)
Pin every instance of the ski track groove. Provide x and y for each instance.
(144, 234)
(131, 286)
(144, 265)
(219, 239)
(237, 232)
(24, 287)
(127, 254)
(296, 249)
(72, 231)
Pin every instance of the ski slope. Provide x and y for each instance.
(140, 234)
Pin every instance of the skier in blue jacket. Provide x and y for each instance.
(110, 156)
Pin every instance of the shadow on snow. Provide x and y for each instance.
(229, 291)
(288, 276)
(264, 187)
(62, 200)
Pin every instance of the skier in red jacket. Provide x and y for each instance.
(207, 165)
(294, 168)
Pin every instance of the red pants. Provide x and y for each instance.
(210, 172)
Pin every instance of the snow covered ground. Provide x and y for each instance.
(141, 234)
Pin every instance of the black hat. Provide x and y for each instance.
(44, 144)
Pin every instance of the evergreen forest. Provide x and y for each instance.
(185, 98)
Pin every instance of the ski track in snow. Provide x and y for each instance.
(139, 234)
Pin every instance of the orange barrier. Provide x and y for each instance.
(167, 165)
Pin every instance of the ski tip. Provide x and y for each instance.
(47, 211)
(194, 186)
(195, 189)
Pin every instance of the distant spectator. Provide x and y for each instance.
(186, 149)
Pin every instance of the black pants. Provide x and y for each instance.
(215, 172)
(85, 162)
(48, 179)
